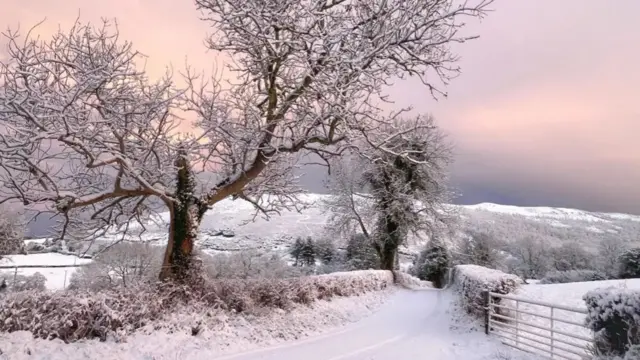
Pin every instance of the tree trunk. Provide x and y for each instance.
(388, 257)
(392, 237)
(185, 216)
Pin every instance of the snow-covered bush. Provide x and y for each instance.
(36, 281)
(472, 280)
(569, 276)
(246, 265)
(630, 264)
(123, 264)
(432, 263)
(614, 316)
(80, 314)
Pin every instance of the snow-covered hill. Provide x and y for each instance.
(232, 225)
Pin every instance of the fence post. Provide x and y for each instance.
(487, 310)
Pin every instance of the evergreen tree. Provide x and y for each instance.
(361, 254)
(296, 251)
(433, 262)
(308, 253)
(325, 251)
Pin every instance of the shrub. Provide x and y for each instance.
(121, 265)
(472, 280)
(81, 314)
(630, 264)
(569, 276)
(246, 265)
(36, 281)
(613, 317)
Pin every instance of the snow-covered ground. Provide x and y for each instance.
(57, 277)
(410, 325)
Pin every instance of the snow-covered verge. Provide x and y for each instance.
(220, 332)
(567, 295)
(466, 330)
(470, 281)
(76, 315)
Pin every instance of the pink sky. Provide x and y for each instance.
(545, 111)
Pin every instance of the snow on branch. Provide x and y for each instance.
(86, 134)
(405, 179)
(83, 127)
(310, 75)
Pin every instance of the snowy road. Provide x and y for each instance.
(411, 325)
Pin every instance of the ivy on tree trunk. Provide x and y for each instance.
(185, 216)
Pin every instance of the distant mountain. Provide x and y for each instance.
(504, 222)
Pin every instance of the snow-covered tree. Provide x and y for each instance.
(609, 251)
(296, 250)
(11, 233)
(532, 254)
(361, 254)
(572, 256)
(433, 262)
(86, 134)
(326, 251)
(404, 190)
(308, 252)
(480, 248)
(630, 264)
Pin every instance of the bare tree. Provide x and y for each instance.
(124, 264)
(533, 256)
(480, 248)
(87, 134)
(404, 189)
(609, 252)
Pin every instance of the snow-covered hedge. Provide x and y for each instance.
(75, 315)
(412, 282)
(472, 280)
(614, 316)
(569, 276)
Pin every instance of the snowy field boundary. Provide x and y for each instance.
(75, 315)
(470, 281)
(221, 333)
